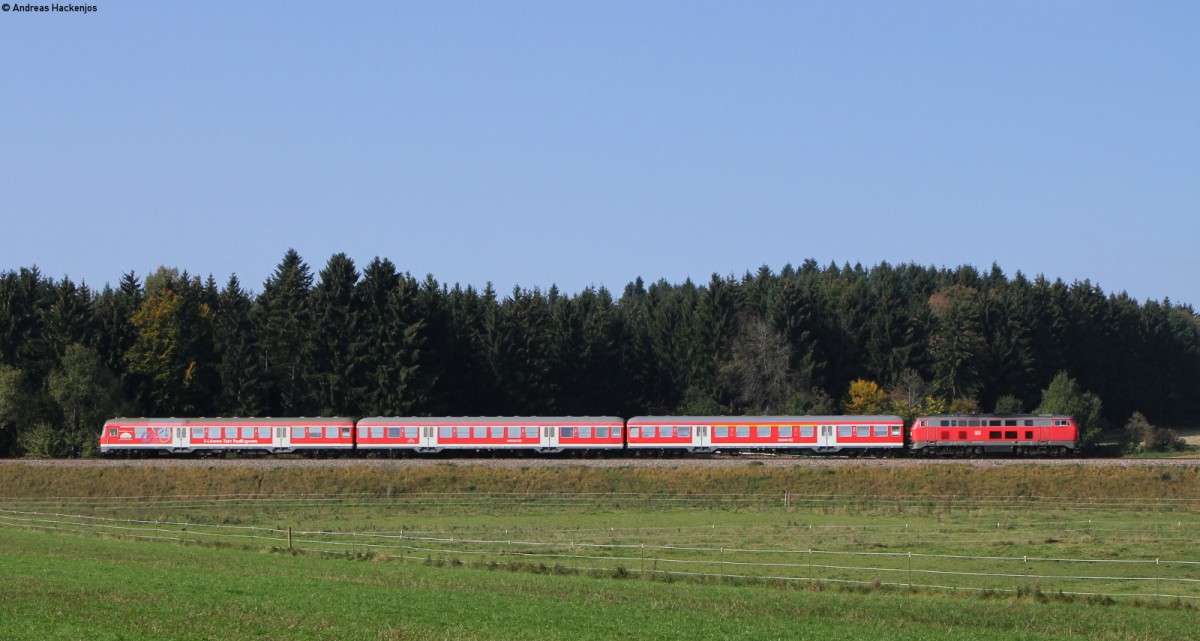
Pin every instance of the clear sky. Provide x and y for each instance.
(589, 143)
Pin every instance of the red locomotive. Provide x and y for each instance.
(976, 434)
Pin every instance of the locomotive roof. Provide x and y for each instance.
(995, 416)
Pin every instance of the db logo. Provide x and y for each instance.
(4, 6)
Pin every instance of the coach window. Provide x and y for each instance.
(197, 432)
(531, 431)
(231, 432)
(743, 431)
(881, 430)
(785, 431)
(264, 433)
(567, 432)
(864, 431)
(721, 432)
(445, 431)
(616, 431)
(634, 432)
(479, 431)
(807, 431)
(514, 431)
(648, 431)
(602, 431)
(845, 431)
(377, 431)
(363, 430)
(392, 432)
(585, 431)
(896, 430)
(332, 432)
(685, 431)
(297, 432)
(214, 432)
(247, 432)
(410, 431)
(462, 431)
(763, 431)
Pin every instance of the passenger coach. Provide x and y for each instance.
(546, 434)
(188, 435)
(851, 434)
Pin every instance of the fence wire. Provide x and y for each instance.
(1113, 578)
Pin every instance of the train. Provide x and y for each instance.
(878, 435)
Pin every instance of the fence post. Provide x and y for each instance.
(785, 499)
(1157, 579)
(289, 537)
(910, 571)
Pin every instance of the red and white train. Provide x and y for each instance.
(941, 435)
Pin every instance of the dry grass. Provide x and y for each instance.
(1146, 482)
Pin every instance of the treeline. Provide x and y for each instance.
(811, 339)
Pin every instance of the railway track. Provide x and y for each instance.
(717, 461)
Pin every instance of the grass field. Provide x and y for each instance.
(406, 558)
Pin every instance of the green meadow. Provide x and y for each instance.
(568, 552)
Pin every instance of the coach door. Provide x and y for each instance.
(279, 439)
(701, 438)
(428, 436)
(826, 436)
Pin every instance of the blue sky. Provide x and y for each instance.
(591, 143)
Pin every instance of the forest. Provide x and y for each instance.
(904, 339)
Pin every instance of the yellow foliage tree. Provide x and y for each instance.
(866, 397)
